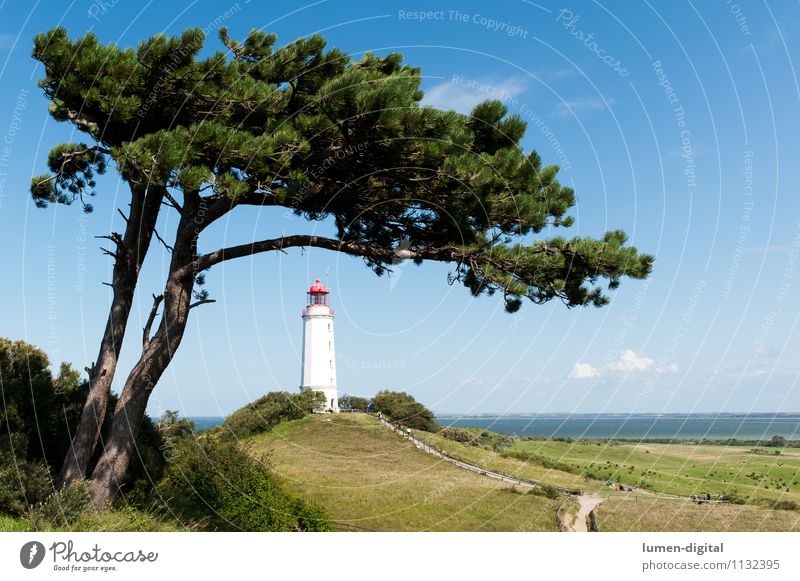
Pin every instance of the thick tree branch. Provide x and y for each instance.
(354, 248)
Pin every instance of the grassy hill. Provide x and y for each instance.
(761, 477)
(626, 514)
(681, 469)
(366, 476)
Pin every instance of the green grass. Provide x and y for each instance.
(115, 520)
(10, 524)
(365, 475)
(621, 515)
(680, 469)
(524, 470)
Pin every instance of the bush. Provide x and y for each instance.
(39, 414)
(541, 460)
(785, 505)
(502, 442)
(22, 483)
(264, 413)
(23, 486)
(547, 491)
(459, 435)
(63, 507)
(400, 406)
(42, 407)
(221, 484)
(732, 496)
(353, 402)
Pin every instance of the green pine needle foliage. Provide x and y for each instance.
(327, 137)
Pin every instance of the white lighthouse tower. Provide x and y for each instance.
(319, 356)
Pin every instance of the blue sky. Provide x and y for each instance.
(674, 121)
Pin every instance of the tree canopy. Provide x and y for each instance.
(326, 136)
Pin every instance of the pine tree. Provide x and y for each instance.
(320, 134)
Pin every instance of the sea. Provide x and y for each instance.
(760, 426)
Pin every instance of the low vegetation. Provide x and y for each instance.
(492, 453)
(181, 480)
(268, 411)
(275, 466)
(732, 472)
(401, 407)
(226, 487)
(365, 476)
(647, 514)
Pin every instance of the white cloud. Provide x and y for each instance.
(630, 362)
(581, 107)
(462, 94)
(627, 363)
(583, 371)
(671, 368)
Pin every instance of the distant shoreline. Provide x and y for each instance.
(749, 429)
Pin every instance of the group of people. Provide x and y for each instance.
(700, 500)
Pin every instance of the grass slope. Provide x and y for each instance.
(681, 469)
(620, 515)
(491, 460)
(367, 476)
(115, 520)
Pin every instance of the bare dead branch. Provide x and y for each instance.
(160, 239)
(153, 313)
(201, 302)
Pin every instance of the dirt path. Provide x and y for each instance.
(471, 467)
(587, 504)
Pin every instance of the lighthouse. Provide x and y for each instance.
(319, 356)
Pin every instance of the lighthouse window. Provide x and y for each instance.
(331, 363)
(329, 326)
(330, 345)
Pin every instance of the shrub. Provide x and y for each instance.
(547, 491)
(22, 483)
(264, 413)
(459, 435)
(732, 495)
(221, 484)
(785, 505)
(502, 441)
(63, 507)
(36, 403)
(353, 402)
(541, 460)
(400, 406)
(39, 414)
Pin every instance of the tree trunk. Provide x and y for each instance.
(110, 471)
(130, 253)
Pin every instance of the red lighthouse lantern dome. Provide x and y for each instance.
(318, 288)
(318, 294)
